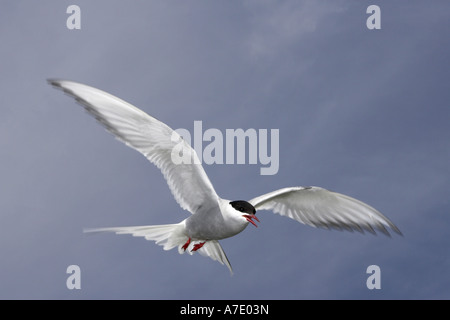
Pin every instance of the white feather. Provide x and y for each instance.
(155, 140)
(319, 207)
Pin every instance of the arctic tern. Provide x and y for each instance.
(213, 218)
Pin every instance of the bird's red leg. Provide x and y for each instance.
(198, 246)
(186, 245)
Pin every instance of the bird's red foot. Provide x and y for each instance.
(198, 246)
(186, 245)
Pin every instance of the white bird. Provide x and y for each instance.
(213, 218)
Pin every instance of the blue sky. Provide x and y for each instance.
(362, 112)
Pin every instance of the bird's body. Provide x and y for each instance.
(215, 223)
(213, 218)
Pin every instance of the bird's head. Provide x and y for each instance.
(247, 210)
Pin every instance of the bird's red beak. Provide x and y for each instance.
(249, 218)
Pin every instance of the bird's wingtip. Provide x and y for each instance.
(397, 230)
(53, 81)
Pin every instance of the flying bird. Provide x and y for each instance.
(213, 218)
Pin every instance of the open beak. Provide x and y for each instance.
(249, 218)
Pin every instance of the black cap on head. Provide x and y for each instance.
(243, 206)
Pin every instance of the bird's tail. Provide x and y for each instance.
(166, 235)
(170, 236)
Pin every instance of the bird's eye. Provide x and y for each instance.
(241, 209)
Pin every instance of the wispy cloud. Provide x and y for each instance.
(278, 25)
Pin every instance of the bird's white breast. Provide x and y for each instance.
(216, 223)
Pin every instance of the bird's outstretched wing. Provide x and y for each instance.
(319, 207)
(155, 140)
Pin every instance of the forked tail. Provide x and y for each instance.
(166, 235)
(170, 236)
